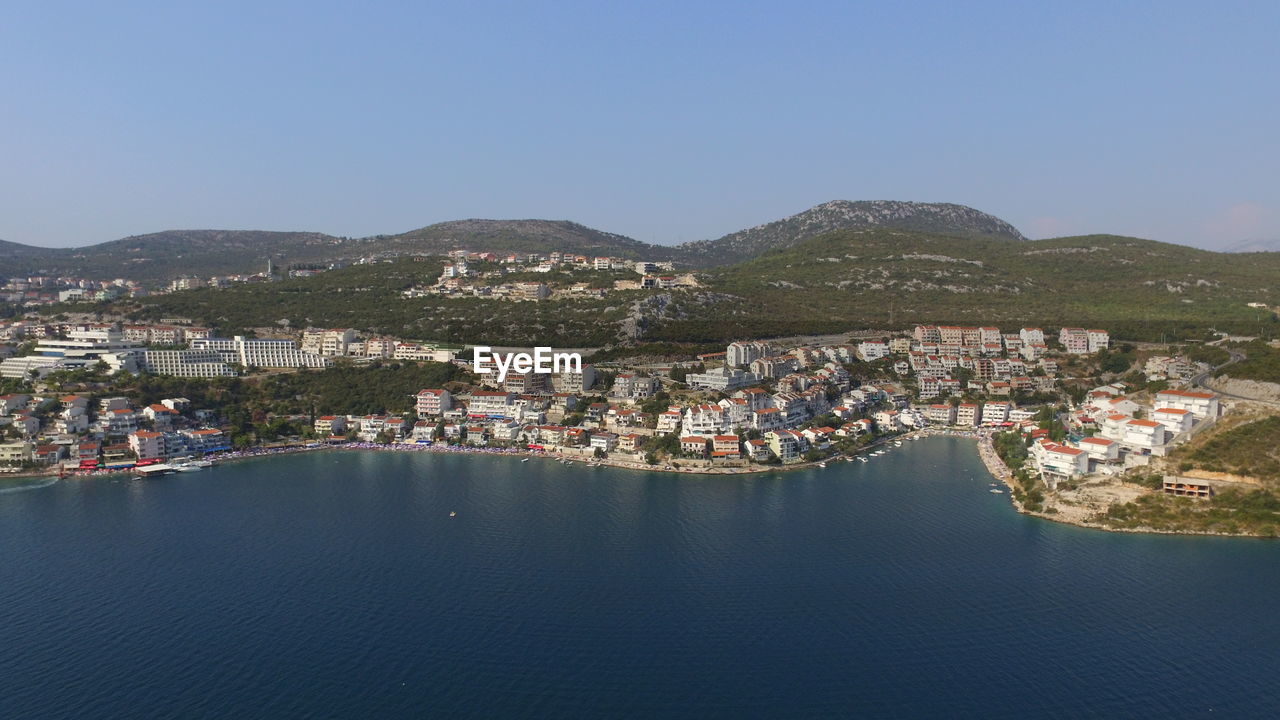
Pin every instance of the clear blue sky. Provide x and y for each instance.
(663, 121)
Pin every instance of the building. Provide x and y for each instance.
(330, 425)
(204, 440)
(721, 379)
(969, 414)
(258, 353)
(329, 343)
(995, 412)
(605, 442)
(1058, 462)
(1100, 450)
(633, 387)
(1186, 487)
(873, 350)
(433, 402)
(1031, 336)
(786, 445)
(1074, 340)
(940, 414)
(1144, 436)
(694, 445)
(705, 420)
(725, 446)
(742, 354)
(86, 346)
(493, 403)
(186, 363)
(1201, 405)
(147, 445)
(1174, 420)
(574, 382)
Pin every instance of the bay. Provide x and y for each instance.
(337, 584)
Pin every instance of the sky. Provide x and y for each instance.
(663, 121)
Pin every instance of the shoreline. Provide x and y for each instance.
(986, 452)
(998, 470)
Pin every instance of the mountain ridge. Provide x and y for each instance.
(161, 256)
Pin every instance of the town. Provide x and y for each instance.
(754, 406)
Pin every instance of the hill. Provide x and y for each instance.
(522, 236)
(893, 278)
(164, 255)
(159, 257)
(853, 279)
(939, 218)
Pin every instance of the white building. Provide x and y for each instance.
(873, 350)
(1200, 404)
(433, 402)
(721, 379)
(705, 420)
(1031, 336)
(739, 354)
(940, 415)
(969, 414)
(253, 352)
(186, 363)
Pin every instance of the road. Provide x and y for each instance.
(1202, 379)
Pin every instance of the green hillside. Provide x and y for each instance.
(1138, 289)
(890, 278)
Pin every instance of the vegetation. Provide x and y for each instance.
(1210, 354)
(1251, 449)
(368, 297)
(1262, 363)
(891, 278)
(1256, 512)
(827, 284)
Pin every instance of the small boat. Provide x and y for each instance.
(862, 459)
(996, 491)
(525, 460)
(453, 513)
(822, 464)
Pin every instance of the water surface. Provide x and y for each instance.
(337, 585)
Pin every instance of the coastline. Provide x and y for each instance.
(1083, 519)
(986, 452)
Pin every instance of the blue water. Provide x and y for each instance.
(336, 585)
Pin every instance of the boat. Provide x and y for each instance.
(187, 467)
(453, 513)
(822, 464)
(525, 460)
(996, 491)
(862, 459)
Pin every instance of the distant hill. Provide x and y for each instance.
(522, 236)
(1255, 245)
(172, 253)
(844, 280)
(161, 256)
(939, 218)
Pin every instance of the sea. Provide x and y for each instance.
(348, 584)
